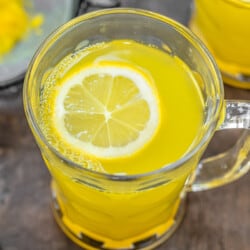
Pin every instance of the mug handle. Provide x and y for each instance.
(226, 167)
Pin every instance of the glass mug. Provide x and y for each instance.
(222, 25)
(135, 211)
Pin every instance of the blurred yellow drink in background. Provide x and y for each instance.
(122, 216)
(224, 27)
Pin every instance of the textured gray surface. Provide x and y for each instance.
(215, 220)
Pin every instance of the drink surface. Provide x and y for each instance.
(112, 213)
(222, 25)
(172, 86)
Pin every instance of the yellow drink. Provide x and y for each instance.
(223, 26)
(126, 213)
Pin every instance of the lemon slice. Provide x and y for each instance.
(107, 111)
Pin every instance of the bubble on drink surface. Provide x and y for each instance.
(82, 45)
(94, 165)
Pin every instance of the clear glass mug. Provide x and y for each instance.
(223, 26)
(105, 211)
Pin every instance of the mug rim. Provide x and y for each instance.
(181, 29)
